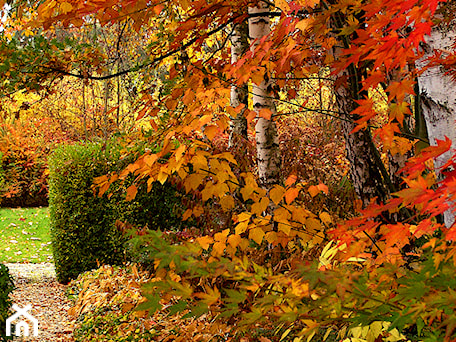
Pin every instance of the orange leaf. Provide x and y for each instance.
(234, 240)
(211, 131)
(187, 214)
(291, 180)
(265, 113)
(291, 194)
(218, 248)
(323, 188)
(221, 237)
(205, 241)
(131, 192)
(198, 211)
(325, 217)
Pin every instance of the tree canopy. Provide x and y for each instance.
(383, 70)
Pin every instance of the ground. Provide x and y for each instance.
(36, 285)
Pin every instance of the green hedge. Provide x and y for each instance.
(82, 225)
(6, 286)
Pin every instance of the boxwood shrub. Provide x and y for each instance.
(6, 287)
(83, 225)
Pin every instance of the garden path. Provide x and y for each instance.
(36, 284)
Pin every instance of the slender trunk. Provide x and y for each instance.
(239, 93)
(268, 157)
(438, 99)
(84, 111)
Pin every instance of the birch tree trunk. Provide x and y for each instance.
(239, 93)
(267, 142)
(438, 98)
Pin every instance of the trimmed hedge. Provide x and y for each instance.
(82, 225)
(6, 287)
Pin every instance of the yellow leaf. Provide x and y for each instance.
(246, 192)
(284, 228)
(205, 241)
(258, 208)
(281, 215)
(65, 7)
(210, 297)
(193, 181)
(300, 214)
(325, 217)
(131, 192)
(291, 194)
(313, 225)
(243, 217)
(162, 177)
(256, 234)
(227, 202)
(207, 192)
(180, 152)
(276, 194)
(228, 156)
(241, 227)
(234, 240)
(271, 237)
(220, 189)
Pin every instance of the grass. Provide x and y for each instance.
(25, 235)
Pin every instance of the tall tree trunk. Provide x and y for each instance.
(438, 98)
(365, 170)
(368, 173)
(239, 93)
(267, 141)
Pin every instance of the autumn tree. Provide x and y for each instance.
(367, 45)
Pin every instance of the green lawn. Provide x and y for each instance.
(25, 235)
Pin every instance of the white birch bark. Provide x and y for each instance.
(268, 156)
(239, 93)
(438, 98)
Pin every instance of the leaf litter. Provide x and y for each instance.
(36, 284)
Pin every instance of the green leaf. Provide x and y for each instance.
(199, 310)
(178, 307)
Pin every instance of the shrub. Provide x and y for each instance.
(24, 148)
(6, 286)
(82, 224)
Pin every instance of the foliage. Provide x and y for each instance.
(256, 266)
(6, 287)
(104, 302)
(83, 225)
(24, 147)
(26, 232)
